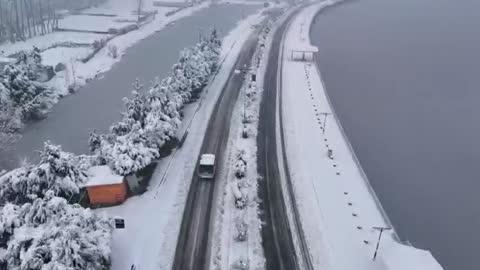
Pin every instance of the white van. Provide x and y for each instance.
(206, 168)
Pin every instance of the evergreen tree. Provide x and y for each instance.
(49, 233)
(57, 172)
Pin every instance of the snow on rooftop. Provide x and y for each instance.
(102, 175)
(305, 47)
(207, 159)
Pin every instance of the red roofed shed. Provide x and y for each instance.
(104, 187)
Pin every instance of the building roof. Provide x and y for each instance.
(102, 175)
(304, 48)
(207, 159)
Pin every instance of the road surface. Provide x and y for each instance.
(276, 233)
(192, 246)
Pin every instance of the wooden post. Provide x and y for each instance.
(381, 229)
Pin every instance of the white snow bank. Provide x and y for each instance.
(397, 256)
(336, 203)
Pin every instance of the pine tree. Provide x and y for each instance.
(49, 233)
(57, 172)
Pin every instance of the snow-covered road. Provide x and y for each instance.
(337, 205)
(153, 219)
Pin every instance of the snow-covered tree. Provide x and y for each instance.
(242, 229)
(21, 88)
(49, 233)
(57, 172)
(240, 164)
(128, 154)
(94, 141)
(151, 118)
(136, 108)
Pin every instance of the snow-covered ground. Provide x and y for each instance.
(77, 72)
(153, 219)
(93, 23)
(244, 2)
(102, 62)
(336, 203)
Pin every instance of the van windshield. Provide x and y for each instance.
(206, 169)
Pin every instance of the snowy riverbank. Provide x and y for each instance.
(336, 203)
(70, 47)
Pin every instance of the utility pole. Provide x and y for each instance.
(139, 10)
(200, 34)
(381, 229)
(325, 115)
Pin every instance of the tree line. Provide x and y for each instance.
(22, 19)
(151, 118)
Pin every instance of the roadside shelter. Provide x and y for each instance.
(105, 187)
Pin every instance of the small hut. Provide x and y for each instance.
(105, 187)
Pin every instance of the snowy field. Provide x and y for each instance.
(123, 10)
(102, 62)
(45, 41)
(153, 219)
(54, 56)
(94, 23)
(336, 203)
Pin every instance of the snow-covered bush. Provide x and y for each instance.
(128, 154)
(19, 91)
(10, 117)
(241, 230)
(57, 172)
(113, 51)
(251, 91)
(49, 233)
(151, 118)
(240, 264)
(99, 44)
(239, 197)
(30, 62)
(240, 164)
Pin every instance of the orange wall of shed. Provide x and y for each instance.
(107, 194)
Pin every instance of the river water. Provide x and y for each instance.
(404, 78)
(99, 103)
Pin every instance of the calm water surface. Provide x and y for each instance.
(404, 77)
(98, 104)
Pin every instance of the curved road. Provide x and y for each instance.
(192, 246)
(277, 233)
